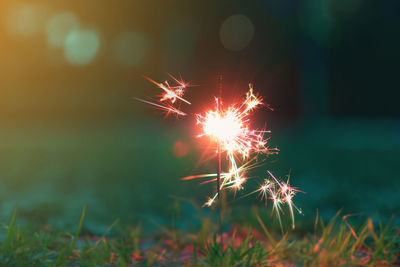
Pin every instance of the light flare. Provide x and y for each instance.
(231, 128)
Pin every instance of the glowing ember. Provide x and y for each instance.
(231, 127)
(225, 127)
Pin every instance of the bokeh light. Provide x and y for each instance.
(81, 47)
(236, 32)
(59, 26)
(180, 149)
(24, 19)
(130, 48)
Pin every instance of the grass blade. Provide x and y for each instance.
(266, 232)
(67, 249)
(10, 232)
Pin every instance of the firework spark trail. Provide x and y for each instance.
(171, 92)
(233, 179)
(170, 95)
(280, 193)
(169, 109)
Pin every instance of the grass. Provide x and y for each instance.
(332, 243)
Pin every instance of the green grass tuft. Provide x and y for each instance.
(333, 243)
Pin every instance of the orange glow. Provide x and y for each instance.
(225, 127)
(180, 149)
(231, 127)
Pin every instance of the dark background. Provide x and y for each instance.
(71, 132)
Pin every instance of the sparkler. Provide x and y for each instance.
(230, 129)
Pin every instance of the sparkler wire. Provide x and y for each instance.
(219, 167)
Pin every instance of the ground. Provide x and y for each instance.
(139, 211)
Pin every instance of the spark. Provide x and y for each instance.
(231, 127)
(168, 109)
(280, 193)
(232, 180)
(170, 95)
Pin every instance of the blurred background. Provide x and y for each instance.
(71, 132)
